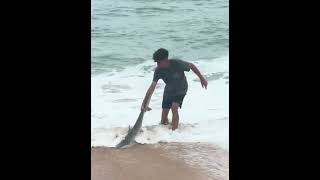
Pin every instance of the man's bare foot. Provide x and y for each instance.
(164, 123)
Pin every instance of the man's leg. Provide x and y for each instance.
(164, 116)
(175, 115)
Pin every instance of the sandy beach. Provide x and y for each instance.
(165, 161)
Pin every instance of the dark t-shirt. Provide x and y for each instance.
(174, 77)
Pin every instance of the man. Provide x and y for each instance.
(171, 71)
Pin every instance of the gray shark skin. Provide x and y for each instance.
(132, 132)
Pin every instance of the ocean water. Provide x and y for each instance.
(124, 35)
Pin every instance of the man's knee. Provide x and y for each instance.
(174, 107)
(165, 110)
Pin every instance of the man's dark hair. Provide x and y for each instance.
(160, 54)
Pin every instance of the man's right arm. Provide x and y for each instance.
(148, 96)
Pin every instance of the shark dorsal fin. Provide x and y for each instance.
(129, 129)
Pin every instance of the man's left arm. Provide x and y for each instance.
(204, 82)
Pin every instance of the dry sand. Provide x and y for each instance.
(165, 161)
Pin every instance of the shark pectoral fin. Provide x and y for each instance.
(149, 109)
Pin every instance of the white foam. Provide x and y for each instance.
(116, 98)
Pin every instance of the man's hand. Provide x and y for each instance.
(144, 109)
(204, 82)
(147, 97)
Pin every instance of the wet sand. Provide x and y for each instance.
(165, 161)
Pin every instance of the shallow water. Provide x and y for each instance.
(125, 33)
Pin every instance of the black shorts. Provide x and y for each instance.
(168, 100)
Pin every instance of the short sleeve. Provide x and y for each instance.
(183, 65)
(156, 75)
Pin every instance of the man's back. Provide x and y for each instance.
(173, 76)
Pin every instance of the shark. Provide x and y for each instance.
(132, 132)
